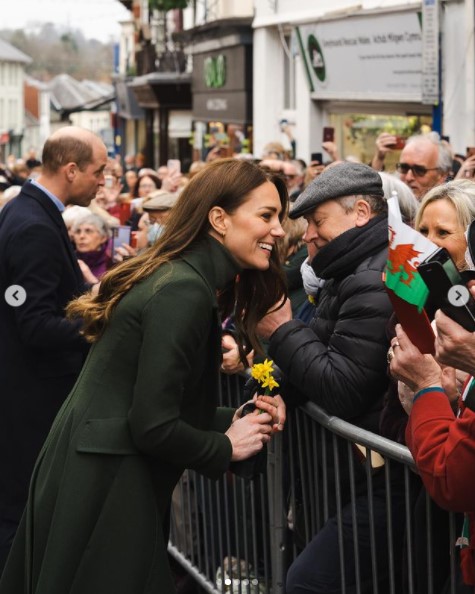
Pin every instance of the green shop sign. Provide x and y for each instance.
(215, 72)
(316, 58)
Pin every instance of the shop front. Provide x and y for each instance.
(360, 71)
(222, 88)
(366, 75)
(166, 100)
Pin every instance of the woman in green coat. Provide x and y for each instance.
(145, 405)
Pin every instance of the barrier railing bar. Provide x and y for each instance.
(192, 570)
(323, 444)
(391, 560)
(380, 444)
(372, 536)
(409, 536)
(354, 522)
(339, 515)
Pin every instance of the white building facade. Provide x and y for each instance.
(12, 110)
(362, 68)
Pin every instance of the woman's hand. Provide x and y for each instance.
(249, 434)
(231, 360)
(87, 273)
(410, 366)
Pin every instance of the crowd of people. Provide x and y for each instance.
(112, 361)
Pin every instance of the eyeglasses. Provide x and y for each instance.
(417, 170)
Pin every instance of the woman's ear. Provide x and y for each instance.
(217, 220)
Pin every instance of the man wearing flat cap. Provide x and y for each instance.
(156, 211)
(338, 360)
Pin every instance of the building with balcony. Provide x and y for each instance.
(191, 73)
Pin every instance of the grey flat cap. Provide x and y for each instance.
(342, 179)
(160, 200)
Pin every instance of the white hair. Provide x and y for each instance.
(408, 203)
(73, 214)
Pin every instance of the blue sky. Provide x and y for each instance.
(96, 18)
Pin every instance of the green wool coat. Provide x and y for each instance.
(143, 409)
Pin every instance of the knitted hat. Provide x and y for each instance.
(160, 200)
(342, 179)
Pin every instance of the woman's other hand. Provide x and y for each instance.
(231, 360)
(249, 434)
(87, 273)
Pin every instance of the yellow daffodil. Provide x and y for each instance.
(268, 366)
(258, 372)
(263, 373)
(270, 383)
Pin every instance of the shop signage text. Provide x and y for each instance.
(216, 104)
(375, 57)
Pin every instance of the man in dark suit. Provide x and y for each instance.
(41, 352)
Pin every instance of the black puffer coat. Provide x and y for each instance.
(338, 361)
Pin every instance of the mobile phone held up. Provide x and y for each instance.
(174, 166)
(399, 144)
(447, 289)
(316, 158)
(120, 235)
(328, 134)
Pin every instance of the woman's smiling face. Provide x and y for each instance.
(440, 224)
(252, 230)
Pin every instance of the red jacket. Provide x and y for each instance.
(443, 447)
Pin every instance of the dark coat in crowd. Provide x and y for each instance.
(338, 361)
(41, 353)
(143, 410)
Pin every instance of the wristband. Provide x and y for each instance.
(432, 389)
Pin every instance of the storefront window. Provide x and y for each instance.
(356, 133)
(231, 138)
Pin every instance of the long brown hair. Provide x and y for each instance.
(224, 183)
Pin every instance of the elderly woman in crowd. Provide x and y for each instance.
(440, 432)
(91, 237)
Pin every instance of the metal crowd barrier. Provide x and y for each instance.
(240, 536)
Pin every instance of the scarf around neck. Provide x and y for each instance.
(97, 260)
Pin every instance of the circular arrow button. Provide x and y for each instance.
(15, 295)
(458, 295)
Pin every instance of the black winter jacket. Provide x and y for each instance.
(338, 361)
